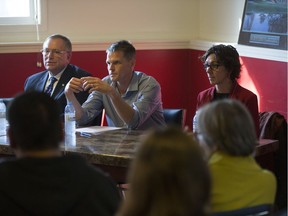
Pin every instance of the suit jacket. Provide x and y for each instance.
(248, 98)
(36, 82)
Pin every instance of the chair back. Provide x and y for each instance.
(260, 210)
(175, 117)
(273, 125)
(6, 101)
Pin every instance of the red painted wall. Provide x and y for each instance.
(179, 72)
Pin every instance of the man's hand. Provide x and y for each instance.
(75, 85)
(96, 84)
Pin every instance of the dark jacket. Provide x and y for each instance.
(36, 82)
(273, 125)
(55, 186)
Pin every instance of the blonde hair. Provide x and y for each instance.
(169, 176)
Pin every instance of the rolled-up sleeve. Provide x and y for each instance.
(147, 103)
(92, 107)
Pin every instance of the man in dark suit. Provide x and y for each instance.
(57, 53)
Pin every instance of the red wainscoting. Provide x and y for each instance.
(179, 72)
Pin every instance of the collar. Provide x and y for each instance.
(58, 76)
(133, 85)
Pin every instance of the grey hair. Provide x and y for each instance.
(66, 40)
(124, 46)
(228, 126)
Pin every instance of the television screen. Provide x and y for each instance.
(264, 24)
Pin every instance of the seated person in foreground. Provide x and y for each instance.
(226, 132)
(130, 98)
(222, 66)
(57, 54)
(40, 181)
(168, 177)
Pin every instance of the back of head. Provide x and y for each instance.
(169, 177)
(228, 126)
(226, 55)
(34, 122)
(124, 46)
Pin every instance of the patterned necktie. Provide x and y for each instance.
(49, 88)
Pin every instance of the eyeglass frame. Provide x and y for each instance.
(53, 51)
(213, 66)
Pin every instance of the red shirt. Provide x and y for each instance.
(248, 98)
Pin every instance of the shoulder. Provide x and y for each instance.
(37, 76)
(206, 92)
(77, 71)
(86, 169)
(107, 79)
(144, 78)
(7, 168)
(244, 95)
(240, 90)
(205, 96)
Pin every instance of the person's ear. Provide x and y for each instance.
(133, 63)
(12, 142)
(69, 56)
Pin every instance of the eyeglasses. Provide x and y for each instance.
(212, 66)
(53, 51)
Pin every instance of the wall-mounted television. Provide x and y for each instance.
(264, 24)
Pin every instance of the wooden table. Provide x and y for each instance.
(265, 156)
(113, 150)
(266, 146)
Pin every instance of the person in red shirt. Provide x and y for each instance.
(222, 65)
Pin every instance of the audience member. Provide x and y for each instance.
(226, 132)
(130, 98)
(168, 177)
(222, 65)
(40, 181)
(57, 53)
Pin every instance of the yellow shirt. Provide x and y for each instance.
(239, 182)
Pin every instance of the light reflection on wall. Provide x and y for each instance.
(246, 81)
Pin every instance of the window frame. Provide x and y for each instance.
(23, 24)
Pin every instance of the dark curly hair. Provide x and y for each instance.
(228, 56)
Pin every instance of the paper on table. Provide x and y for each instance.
(96, 129)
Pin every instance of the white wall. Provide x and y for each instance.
(220, 20)
(130, 19)
(109, 20)
(149, 24)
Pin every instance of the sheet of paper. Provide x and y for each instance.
(96, 129)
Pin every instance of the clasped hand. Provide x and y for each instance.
(89, 84)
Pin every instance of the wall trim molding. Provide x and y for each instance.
(247, 51)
